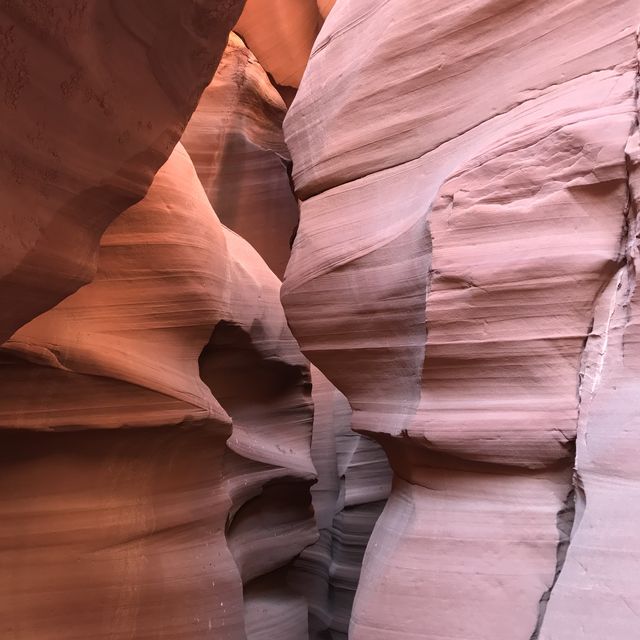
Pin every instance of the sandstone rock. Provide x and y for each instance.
(284, 46)
(127, 524)
(114, 511)
(255, 369)
(463, 277)
(94, 97)
(109, 532)
(595, 591)
(353, 484)
(450, 67)
(445, 276)
(235, 138)
(236, 142)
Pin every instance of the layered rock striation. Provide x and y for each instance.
(450, 275)
(453, 206)
(125, 480)
(94, 96)
(236, 142)
(118, 459)
(159, 480)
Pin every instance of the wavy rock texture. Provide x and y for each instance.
(463, 276)
(159, 478)
(116, 462)
(449, 266)
(236, 142)
(122, 479)
(93, 98)
(604, 541)
(235, 139)
(254, 367)
(353, 484)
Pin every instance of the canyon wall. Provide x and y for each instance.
(428, 430)
(464, 273)
(156, 425)
(94, 98)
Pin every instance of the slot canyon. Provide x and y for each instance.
(318, 319)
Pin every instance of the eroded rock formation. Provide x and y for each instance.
(353, 485)
(236, 142)
(163, 468)
(118, 365)
(462, 277)
(254, 367)
(119, 456)
(94, 96)
(455, 252)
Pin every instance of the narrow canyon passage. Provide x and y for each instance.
(319, 320)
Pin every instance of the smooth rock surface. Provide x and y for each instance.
(164, 546)
(93, 98)
(284, 46)
(236, 143)
(463, 278)
(449, 263)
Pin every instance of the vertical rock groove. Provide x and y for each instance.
(564, 522)
(602, 541)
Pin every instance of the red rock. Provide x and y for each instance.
(254, 367)
(284, 47)
(158, 481)
(115, 513)
(125, 352)
(596, 591)
(463, 277)
(236, 142)
(445, 276)
(110, 532)
(94, 98)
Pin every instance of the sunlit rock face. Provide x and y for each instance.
(463, 273)
(117, 460)
(126, 480)
(93, 97)
(236, 142)
(281, 34)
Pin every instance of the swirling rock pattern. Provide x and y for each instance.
(463, 276)
(117, 462)
(171, 382)
(131, 513)
(236, 143)
(254, 367)
(448, 270)
(235, 139)
(93, 97)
